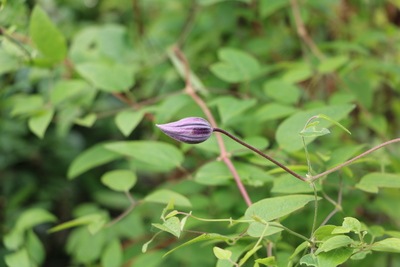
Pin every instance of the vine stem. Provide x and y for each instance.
(338, 167)
(224, 155)
(132, 205)
(309, 179)
(261, 154)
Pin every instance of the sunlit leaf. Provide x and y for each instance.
(391, 244)
(288, 131)
(127, 120)
(164, 196)
(87, 120)
(19, 258)
(33, 217)
(157, 154)
(39, 122)
(281, 91)
(222, 254)
(45, 35)
(94, 222)
(201, 238)
(171, 225)
(272, 208)
(90, 158)
(107, 77)
(334, 243)
(373, 181)
(235, 66)
(119, 180)
(112, 256)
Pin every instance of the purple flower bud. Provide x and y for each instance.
(190, 130)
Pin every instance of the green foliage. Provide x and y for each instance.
(88, 180)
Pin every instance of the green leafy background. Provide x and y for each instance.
(86, 179)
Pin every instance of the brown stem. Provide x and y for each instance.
(302, 32)
(223, 152)
(126, 212)
(261, 154)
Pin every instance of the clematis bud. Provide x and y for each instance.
(190, 130)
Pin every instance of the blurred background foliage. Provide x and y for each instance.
(79, 75)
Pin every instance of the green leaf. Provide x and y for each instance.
(269, 261)
(164, 196)
(314, 132)
(24, 105)
(272, 208)
(230, 107)
(19, 258)
(282, 91)
(349, 225)
(46, 37)
(288, 131)
(299, 249)
(267, 8)
(309, 260)
(213, 173)
(324, 232)
(257, 229)
(285, 184)
(87, 121)
(373, 181)
(127, 121)
(342, 154)
(274, 111)
(334, 243)
(14, 239)
(86, 247)
(222, 254)
(119, 180)
(35, 248)
(329, 65)
(201, 238)
(90, 158)
(171, 107)
(248, 254)
(112, 255)
(8, 62)
(149, 259)
(363, 89)
(297, 72)
(161, 156)
(39, 122)
(93, 221)
(237, 251)
(235, 66)
(377, 122)
(33, 217)
(334, 257)
(391, 244)
(171, 225)
(216, 173)
(65, 90)
(107, 77)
